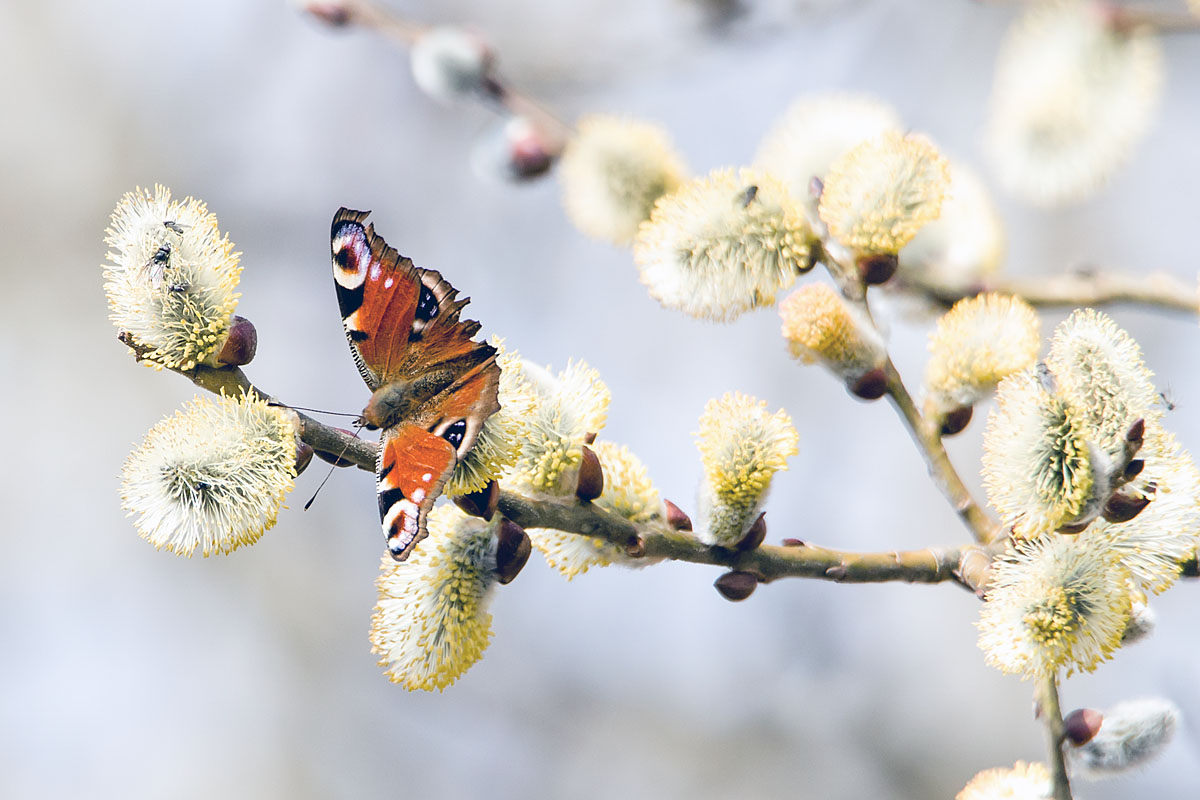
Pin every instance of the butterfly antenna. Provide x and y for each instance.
(357, 430)
(278, 404)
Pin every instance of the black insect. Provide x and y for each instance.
(173, 226)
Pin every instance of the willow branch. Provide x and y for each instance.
(1085, 287)
(944, 476)
(405, 33)
(925, 434)
(1126, 18)
(966, 566)
(1051, 716)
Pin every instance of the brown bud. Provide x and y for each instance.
(837, 572)
(955, 421)
(1122, 508)
(635, 548)
(240, 345)
(736, 585)
(870, 386)
(676, 518)
(589, 438)
(754, 537)
(304, 455)
(331, 13)
(1078, 527)
(1082, 725)
(333, 458)
(481, 503)
(591, 477)
(876, 268)
(512, 550)
(1134, 468)
(1137, 431)
(793, 543)
(516, 150)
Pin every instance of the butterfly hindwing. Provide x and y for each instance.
(413, 466)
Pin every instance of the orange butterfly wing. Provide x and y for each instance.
(402, 323)
(414, 464)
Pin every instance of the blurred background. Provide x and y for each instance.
(131, 673)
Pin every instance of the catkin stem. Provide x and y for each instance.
(1055, 736)
(941, 470)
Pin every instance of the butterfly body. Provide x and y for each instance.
(432, 386)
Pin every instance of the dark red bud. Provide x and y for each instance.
(736, 585)
(1122, 508)
(331, 13)
(676, 518)
(515, 150)
(793, 543)
(1137, 431)
(1082, 725)
(334, 458)
(877, 268)
(1072, 529)
(304, 456)
(530, 158)
(956, 420)
(240, 345)
(635, 548)
(481, 503)
(1134, 468)
(589, 438)
(754, 537)
(871, 386)
(512, 550)
(591, 477)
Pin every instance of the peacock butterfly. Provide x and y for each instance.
(432, 385)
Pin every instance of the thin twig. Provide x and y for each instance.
(947, 479)
(1125, 18)
(499, 93)
(1082, 287)
(1051, 716)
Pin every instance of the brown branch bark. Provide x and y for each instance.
(375, 17)
(1086, 287)
(966, 566)
(941, 470)
(1052, 719)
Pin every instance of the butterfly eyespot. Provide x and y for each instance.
(427, 307)
(455, 433)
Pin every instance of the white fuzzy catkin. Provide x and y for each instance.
(1133, 733)
(449, 64)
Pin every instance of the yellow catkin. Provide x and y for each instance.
(879, 194)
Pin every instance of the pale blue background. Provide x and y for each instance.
(129, 673)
